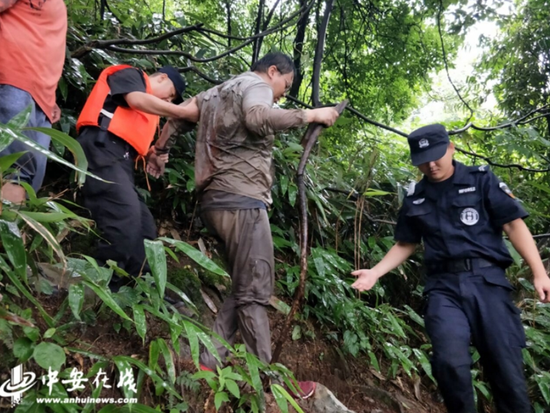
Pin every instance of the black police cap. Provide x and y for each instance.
(178, 81)
(428, 144)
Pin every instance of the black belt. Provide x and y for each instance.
(466, 264)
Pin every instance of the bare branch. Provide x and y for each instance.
(259, 18)
(201, 74)
(521, 121)
(439, 13)
(492, 163)
(298, 47)
(179, 53)
(311, 135)
(319, 51)
(266, 24)
(275, 28)
(104, 44)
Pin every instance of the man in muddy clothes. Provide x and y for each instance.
(233, 177)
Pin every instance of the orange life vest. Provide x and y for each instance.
(135, 127)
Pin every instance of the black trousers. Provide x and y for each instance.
(475, 306)
(123, 219)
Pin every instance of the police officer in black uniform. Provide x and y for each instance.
(459, 212)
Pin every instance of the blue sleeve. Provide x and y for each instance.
(406, 229)
(502, 205)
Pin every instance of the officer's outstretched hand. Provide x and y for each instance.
(542, 286)
(365, 279)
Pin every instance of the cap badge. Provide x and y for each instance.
(423, 143)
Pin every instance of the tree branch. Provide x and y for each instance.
(298, 47)
(275, 28)
(259, 18)
(311, 135)
(266, 24)
(492, 163)
(200, 74)
(319, 51)
(439, 13)
(179, 53)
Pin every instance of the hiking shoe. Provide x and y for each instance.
(305, 389)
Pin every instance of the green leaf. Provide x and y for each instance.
(23, 349)
(168, 359)
(140, 320)
(282, 397)
(292, 192)
(49, 333)
(13, 245)
(181, 295)
(157, 260)
(47, 216)
(21, 120)
(81, 163)
(233, 388)
(7, 161)
(196, 256)
(106, 298)
(49, 355)
(13, 134)
(375, 192)
(154, 352)
(76, 299)
(191, 331)
(296, 333)
(219, 398)
(15, 280)
(253, 363)
(47, 235)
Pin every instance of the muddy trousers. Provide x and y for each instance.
(469, 307)
(246, 235)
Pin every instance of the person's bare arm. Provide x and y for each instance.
(523, 242)
(6, 4)
(396, 256)
(147, 103)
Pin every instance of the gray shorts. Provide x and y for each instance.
(31, 167)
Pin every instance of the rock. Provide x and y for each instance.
(324, 401)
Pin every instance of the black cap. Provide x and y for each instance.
(178, 81)
(428, 144)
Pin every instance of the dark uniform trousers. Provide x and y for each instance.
(475, 306)
(121, 215)
(246, 235)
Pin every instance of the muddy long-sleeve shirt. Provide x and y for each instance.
(235, 137)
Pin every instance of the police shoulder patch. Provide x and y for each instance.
(504, 188)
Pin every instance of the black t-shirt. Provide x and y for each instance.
(122, 82)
